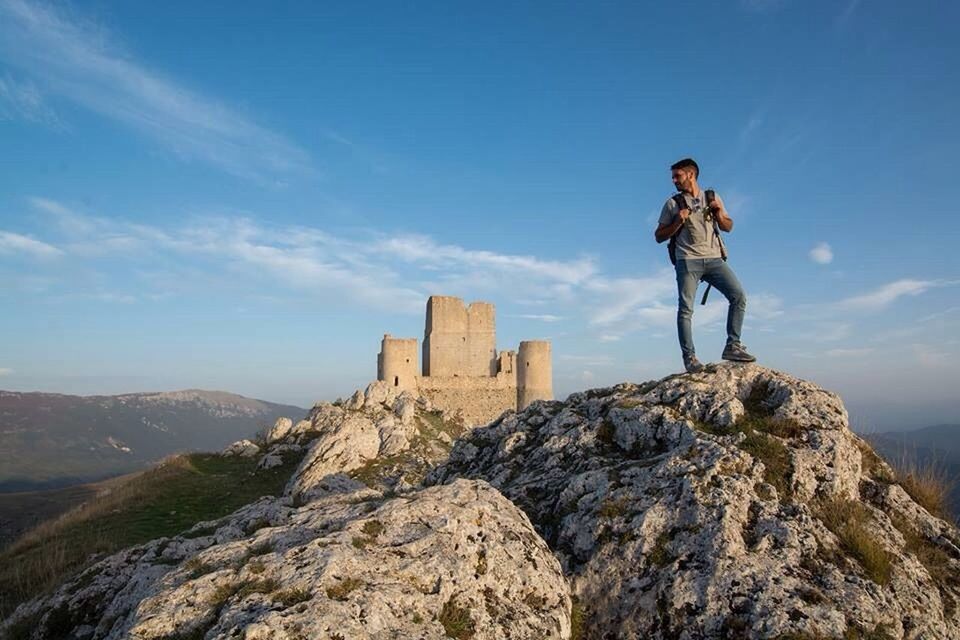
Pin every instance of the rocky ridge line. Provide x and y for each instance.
(735, 503)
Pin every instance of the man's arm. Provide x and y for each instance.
(665, 231)
(724, 221)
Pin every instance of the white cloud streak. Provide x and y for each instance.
(80, 62)
(424, 251)
(542, 317)
(14, 243)
(887, 294)
(822, 253)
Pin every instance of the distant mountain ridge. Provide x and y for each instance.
(50, 440)
(945, 437)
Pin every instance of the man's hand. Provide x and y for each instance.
(720, 213)
(717, 205)
(683, 214)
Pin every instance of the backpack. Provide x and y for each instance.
(681, 203)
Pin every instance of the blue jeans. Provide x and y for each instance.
(716, 272)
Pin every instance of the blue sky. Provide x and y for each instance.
(246, 196)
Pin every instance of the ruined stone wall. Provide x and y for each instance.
(459, 340)
(534, 373)
(481, 399)
(397, 362)
(481, 355)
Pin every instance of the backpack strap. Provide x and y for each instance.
(681, 203)
(711, 198)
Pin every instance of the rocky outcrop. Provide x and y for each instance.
(451, 561)
(389, 439)
(734, 503)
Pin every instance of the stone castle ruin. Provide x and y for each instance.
(462, 370)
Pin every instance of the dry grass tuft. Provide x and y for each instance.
(928, 483)
(848, 520)
(342, 589)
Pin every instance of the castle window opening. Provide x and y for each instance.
(396, 380)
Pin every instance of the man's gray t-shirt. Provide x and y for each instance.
(698, 237)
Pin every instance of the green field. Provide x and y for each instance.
(163, 501)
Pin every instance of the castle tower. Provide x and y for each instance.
(534, 373)
(459, 340)
(397, 362)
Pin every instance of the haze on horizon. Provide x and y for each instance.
(247, 198)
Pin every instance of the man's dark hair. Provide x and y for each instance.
(685, 163)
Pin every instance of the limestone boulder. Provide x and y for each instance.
(281, 428)
(735, 503)
(452, 561)
(242, 448)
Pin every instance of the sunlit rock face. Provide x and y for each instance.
(732, 503)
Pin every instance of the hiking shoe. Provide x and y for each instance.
(736, 352)
(692, 365)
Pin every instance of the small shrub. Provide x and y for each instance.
(613, 507)
(456, 621)
(223, 593)
(373, 528)
(577, 618)
(361, 542)
(659, 555)
(342, 589)
(290, 597)
(256, 566)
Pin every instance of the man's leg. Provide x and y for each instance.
(721, 276)
(688, 277)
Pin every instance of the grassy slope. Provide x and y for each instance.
(162, 501)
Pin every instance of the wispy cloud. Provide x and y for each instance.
(621, 298)
(23, 101)
(424, 251)
(5, 371)
(822, 253)
(364, 269)
(371, 270)
(80, 62)
(15, 243)
(884, 296)
(543, 317)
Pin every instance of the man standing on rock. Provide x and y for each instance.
(692, 220)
